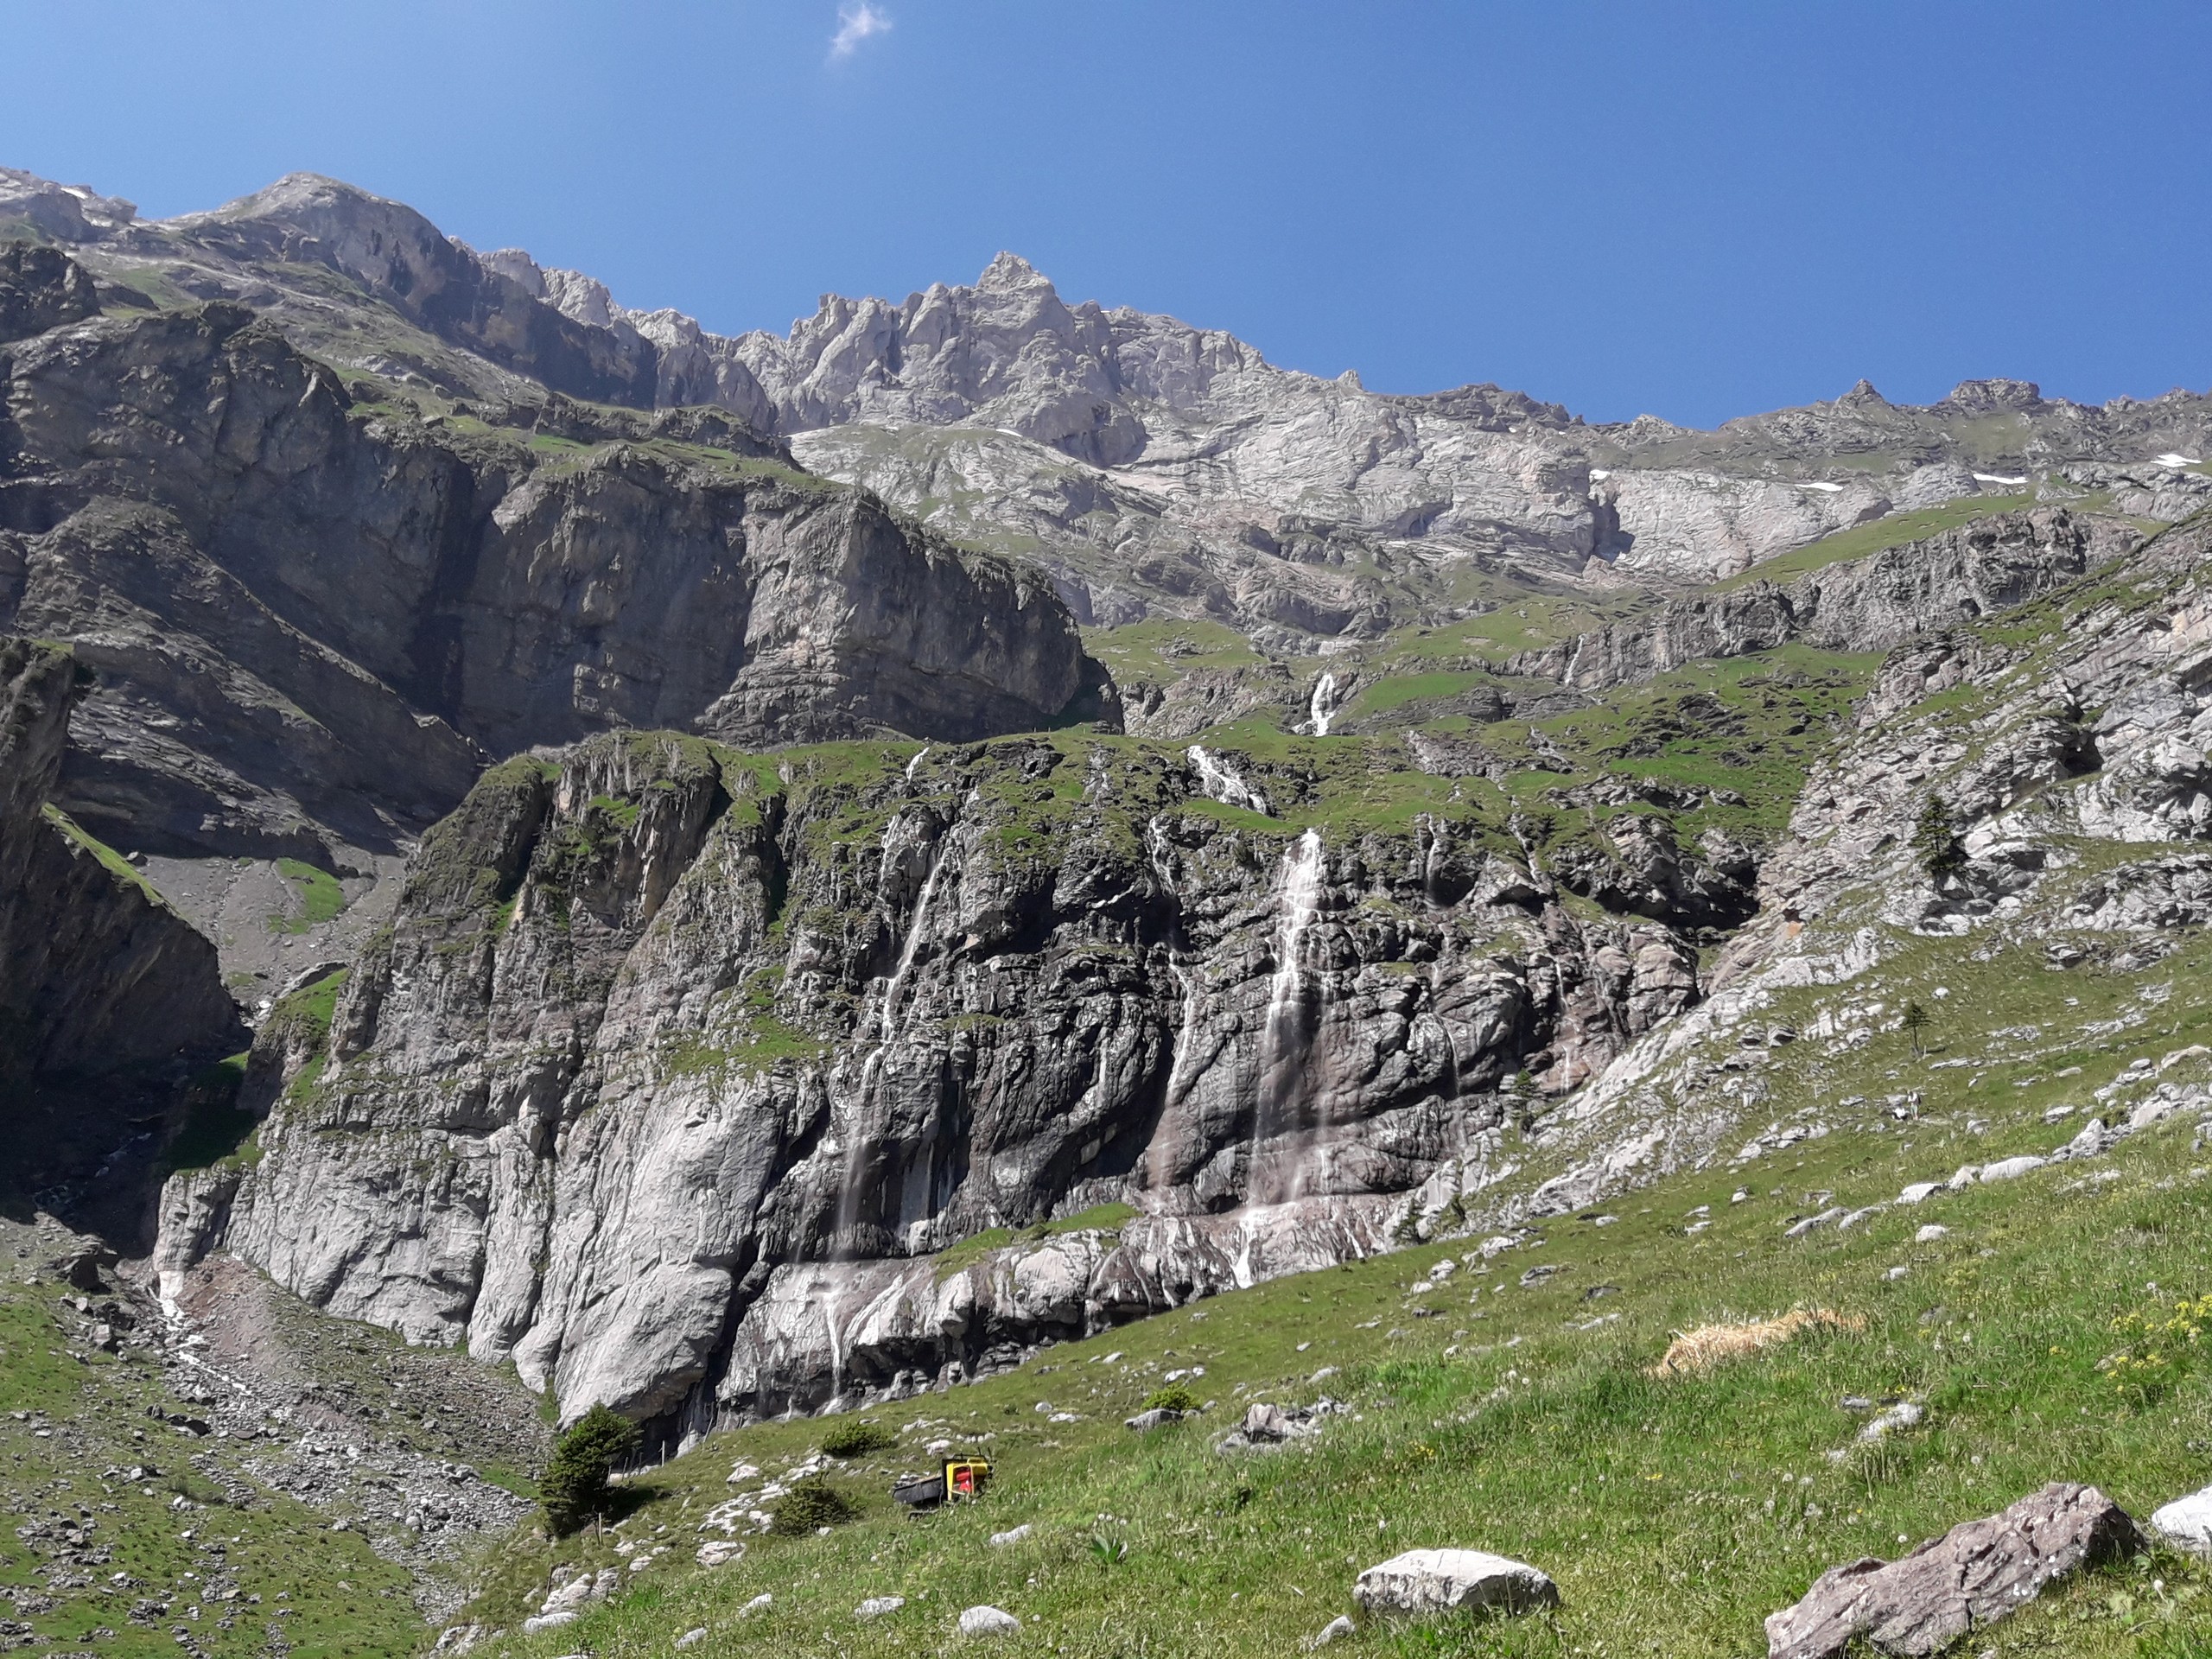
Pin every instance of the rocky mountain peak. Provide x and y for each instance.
(1997, 396)
(67, 213)
(1011, 270)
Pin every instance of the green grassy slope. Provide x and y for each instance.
(181, 1562)
(1675, 1512)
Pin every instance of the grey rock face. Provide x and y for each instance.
(1870, 604)
(40, 288)
(1439, 1580)
(107, 997)
(1973, 1576)
(675, 1061)
(463, 595)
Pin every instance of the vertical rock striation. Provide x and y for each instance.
(107, 997)
(678, 1062)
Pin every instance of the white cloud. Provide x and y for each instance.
(856, 24)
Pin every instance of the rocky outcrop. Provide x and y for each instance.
(1633, 866)
(1973, 1576)
(107, 998)
(678, 1063)
(1872, 604)
(308, 622)
(42, 289)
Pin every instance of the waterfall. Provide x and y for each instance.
(1301, 902)
(1323, 709)
(1220, 782)
(1159, 1156)
(886, 1028)
(1280, 1107)
(920, 754)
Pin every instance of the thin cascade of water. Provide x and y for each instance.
(1283, 1042)
(885, 1027)
(1323, 708)
(1220, 782)
(886, 1030)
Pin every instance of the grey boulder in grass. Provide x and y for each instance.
(987, 1620)
(2186, 1523)
(1439, 1580)
(1974, 1575)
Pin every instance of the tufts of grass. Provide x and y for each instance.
(112, 861)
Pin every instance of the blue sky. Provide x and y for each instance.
(1695, 210)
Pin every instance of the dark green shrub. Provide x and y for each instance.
(809, 1506)
(1173, 1397)
(857, 1439)
(1941, 850)
(575, 1487)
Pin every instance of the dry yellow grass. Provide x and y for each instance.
(1701, 1349)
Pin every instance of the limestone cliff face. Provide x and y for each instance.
(310, 621)
(106, 996)
(675, 1055)
(1874, 603)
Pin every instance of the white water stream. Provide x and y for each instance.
(886, 1028)
(1283, 1044)
(1220, 782)
(1323, 708)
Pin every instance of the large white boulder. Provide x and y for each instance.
(1436, 1581)
(2186, 1522)
(988, 1621)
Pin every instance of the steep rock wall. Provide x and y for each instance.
(310, 621)
(660, 1015)
(107, 997)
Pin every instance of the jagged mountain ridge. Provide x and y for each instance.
(314, 617)
(1154, 468)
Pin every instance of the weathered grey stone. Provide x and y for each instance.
(1439, 1580)
(104, 988)
(1974, 1575)
(986, 1620)
(877, 1606)
(42, 289)
(466, 598)
(2186, 1522)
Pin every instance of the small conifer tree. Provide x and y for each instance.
(575, 1487)
(1915, 1023)
(1938, 844)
